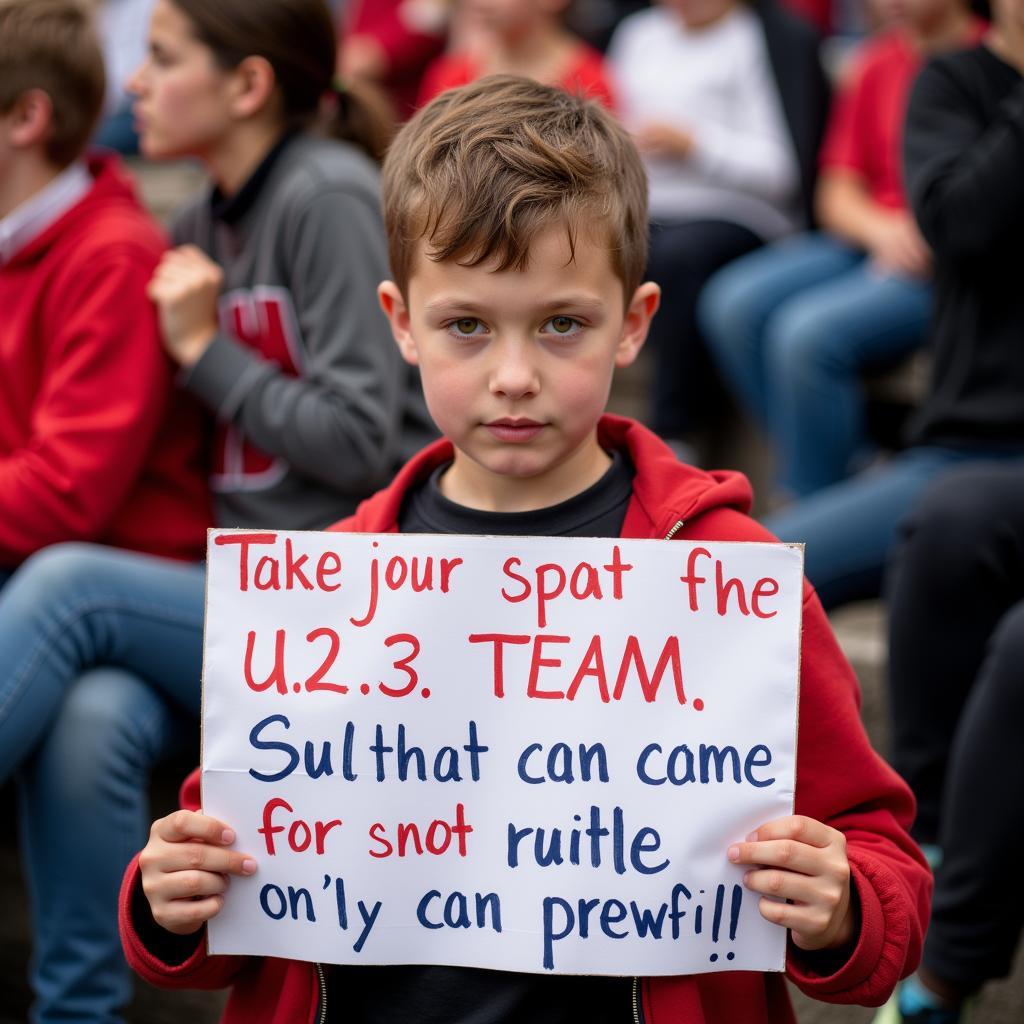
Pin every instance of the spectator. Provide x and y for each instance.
(94, 444)
(957, 678)
(964, 164)
(793, 326)
(518, 37)
(390, 43)
(727, 102)
(313, 408)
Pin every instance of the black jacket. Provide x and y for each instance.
(963, 154)
(793, 51)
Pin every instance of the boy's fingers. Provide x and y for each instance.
(184, 917)
(780, 853)
(786, 885)
(239, 864)
(806, 921)
(174, 858)
(180, 885)
(184, 825)
(797, 827)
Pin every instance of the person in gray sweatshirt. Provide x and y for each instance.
(267, 303)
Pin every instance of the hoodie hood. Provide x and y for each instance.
(112, 196)
(666, 492)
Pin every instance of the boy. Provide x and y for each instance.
(517, 224)
(92, 445)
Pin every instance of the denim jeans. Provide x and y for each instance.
(850, 528)
(792, 326)
(100, 662)
(84, 813)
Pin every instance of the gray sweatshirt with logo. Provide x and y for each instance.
(315, 407)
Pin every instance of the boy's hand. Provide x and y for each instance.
(185, 869)
(803, 861)
(185, 287)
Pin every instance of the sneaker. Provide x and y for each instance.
(905, 1006)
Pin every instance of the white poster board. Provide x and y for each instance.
(526, 754)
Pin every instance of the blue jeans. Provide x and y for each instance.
(850, 528)
(792, 326)
(84, 813)
(100, 662)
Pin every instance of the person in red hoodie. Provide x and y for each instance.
(95, 442)
(517, 312)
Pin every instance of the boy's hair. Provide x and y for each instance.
(481, 170)
(51, 45)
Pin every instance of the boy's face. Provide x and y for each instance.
(517, 365)
(509, 16)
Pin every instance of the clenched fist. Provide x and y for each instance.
(185, 287)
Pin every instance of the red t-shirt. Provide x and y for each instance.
(583, 74)
(865, 131)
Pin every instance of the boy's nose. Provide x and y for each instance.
(514, 374)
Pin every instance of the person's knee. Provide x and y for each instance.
(55, 571)
(727, 309)
(801, 339)
(955, 516)
(108, 729)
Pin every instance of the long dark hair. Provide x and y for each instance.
(297, 38)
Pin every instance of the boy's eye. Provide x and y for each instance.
(466, 327)
(563, 325)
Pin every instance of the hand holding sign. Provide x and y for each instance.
(185, 869)
(804, 862)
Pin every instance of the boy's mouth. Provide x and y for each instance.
(508, 429)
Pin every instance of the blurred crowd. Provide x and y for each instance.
(836, 192)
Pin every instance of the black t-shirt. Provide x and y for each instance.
(596, 512)
(964, 168)
(462, 995)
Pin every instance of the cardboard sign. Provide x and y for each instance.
(525, 754)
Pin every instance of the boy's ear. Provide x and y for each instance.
(389, 296)
(253, 87)
(30, 120)
(641, 309)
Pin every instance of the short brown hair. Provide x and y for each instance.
(51, 45)
(482, 169)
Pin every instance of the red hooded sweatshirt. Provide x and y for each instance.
(96, 443)
(840, 781)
